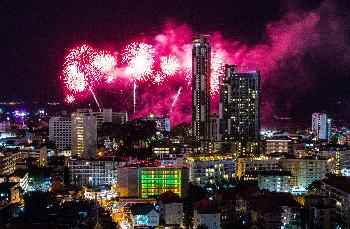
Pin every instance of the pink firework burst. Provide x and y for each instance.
(69, 99)
(105, 62)
(170, 65)
(158, 78)
(74, 79)
(82, 57)
(140, 59)
(217, 70)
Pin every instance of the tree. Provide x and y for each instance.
(181, 130)
(314, 187)
(37, 204)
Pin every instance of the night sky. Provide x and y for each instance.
(35, 36)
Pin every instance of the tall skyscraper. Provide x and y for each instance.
(321, 126)
(239, 108)
(60, 132)
(201, 87)
(84, 134)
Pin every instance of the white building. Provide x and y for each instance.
(106, 116)
(206, 218)
(321, 126)
(172, 213)
(278, 145)
(60, 132)
(255, 165)
(274, 181)
(211, 168)
(304, 171)
(345, 172)
(84, 134)
(93, 172)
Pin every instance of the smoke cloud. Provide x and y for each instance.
(293, 49)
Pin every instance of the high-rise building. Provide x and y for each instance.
(239, 108)
(106, 116)
(201, 55)
(214, 128)
(321, 126)
(60, 132)
(84, 135)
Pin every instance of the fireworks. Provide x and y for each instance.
(69, 99)
(140, 59)
(217, 70)
(104, 62)
(74, 79)
(158, 78)
(170, 65)
(175, 99)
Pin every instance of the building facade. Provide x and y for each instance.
(338, 188)
(239, 108)
(278, 145)
(321, 126)
(60, 132)
(84, 134)
(154, 181)
(304, 171)
(201, 58)
(274, 181)
(248, 166)
(93, 172)
(207, 169)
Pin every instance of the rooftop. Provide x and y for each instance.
(142, 208)
(339, 182)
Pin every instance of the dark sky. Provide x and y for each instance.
(35, 36)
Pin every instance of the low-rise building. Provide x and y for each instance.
(20, 176)
(9, 193)
(338, 188)
(304, 171)
(211, 168)
(171, 210)
(94, 172)
(205, 214)
(274, 210)
(278, 145)
(275, 181)
(321, 211)
(256, 164)
(152, 179)
(144, 215)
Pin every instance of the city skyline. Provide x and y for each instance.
(275, 24)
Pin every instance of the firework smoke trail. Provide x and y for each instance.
(175, 99)
(134, 95)
(94, 96)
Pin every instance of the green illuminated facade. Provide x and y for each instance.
(157, 180)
